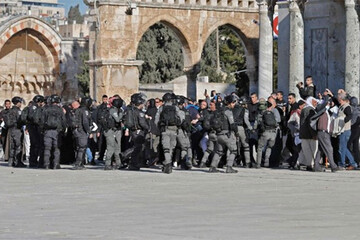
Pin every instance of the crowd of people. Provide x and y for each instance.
(310, 131)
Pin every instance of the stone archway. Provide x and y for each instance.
(247, 43)
(29, 50)
(117, 31)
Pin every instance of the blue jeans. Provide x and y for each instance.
(344, 151)
(89, 155)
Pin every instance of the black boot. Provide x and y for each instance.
(202, 165)
(213, 170)
(188, 164)
(57, 166)
(108, 167)
(229, 169)
(168, 168)
(20, 164)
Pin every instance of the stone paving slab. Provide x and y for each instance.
(253, 204)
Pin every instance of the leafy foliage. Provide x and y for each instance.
(160, 49)
(74, 14)
(84, 77)
(232, 59)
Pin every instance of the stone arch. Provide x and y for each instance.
(179, 29)
(46, 34)
(245, 33)
(237, 28)
(41, 56)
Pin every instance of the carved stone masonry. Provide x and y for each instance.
(265, 52)
(352, 50)
(296, 71)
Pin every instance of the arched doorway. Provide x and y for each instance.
(29, 53)
(161, 50)
(224, 58)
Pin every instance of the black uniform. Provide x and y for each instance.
(14, 123)
(31, 115)
(81, 132)
(137, 132)
(53, 122)
(4, 132)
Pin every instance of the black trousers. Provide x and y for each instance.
(36, 145)
(353, 143)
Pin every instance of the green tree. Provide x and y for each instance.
(83, 76)
(232, 59)
(74, 14)
(160, 49)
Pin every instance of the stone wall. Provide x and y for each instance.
(71, 49)
(34, 59)
(114, 68)
(325, 40)
(179, 87)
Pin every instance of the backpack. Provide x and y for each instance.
(10, 118)
(269, 119)
(104, 119)
(169, 117)
(52, 119)
(355, 114)
(218, 121)
(337, 125)
(130, 118)
(186, 124)
(239, 113)
(71, 119)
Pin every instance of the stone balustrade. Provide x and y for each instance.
(243, 4)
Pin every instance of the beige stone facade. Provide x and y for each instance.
(120, 26)
(34, 59)
(74, 30)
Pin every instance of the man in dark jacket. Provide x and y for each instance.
(309, 90)
(308, 135)
(14, 124)
(82, 131)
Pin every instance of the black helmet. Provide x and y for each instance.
(38, 99)
(230, 99)
(16, 100)
(243, 100)
(117, 102)
(137, 99)
(168, 97)
(86, 102)
(55, 99)
(180, 100)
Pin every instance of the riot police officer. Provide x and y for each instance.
(226, 137)
(32, 116)
(113, 133)
(182, 138)
(14, 124)
(136, 123)
(210, 128)
(168, 120)
(82, 131)
(241, 118)
(53, 121)
(267, 124)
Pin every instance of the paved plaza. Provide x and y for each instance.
(253, 204)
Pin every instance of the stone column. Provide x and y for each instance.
(265, 52)
(296, 61)
(283, 46)
(352, 61)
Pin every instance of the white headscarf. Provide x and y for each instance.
(309, 102)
